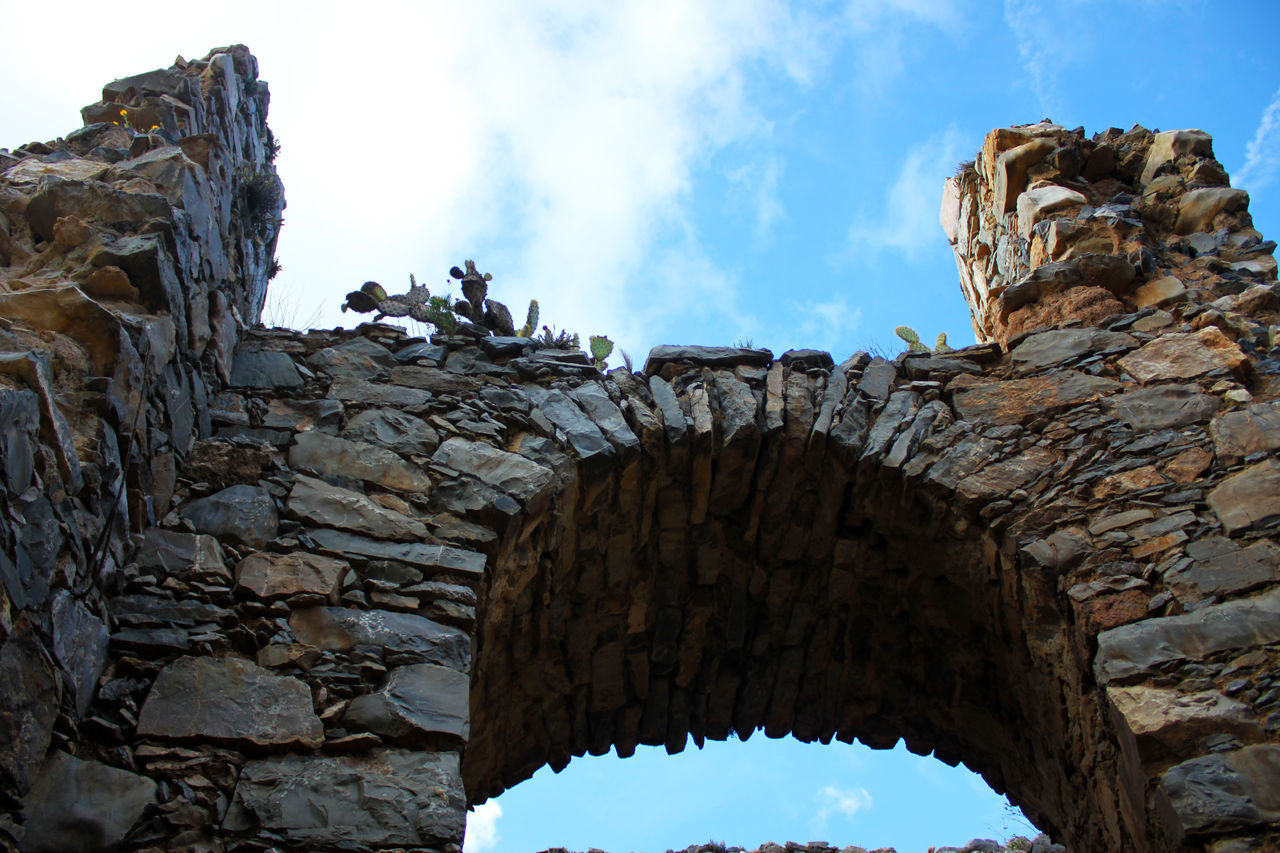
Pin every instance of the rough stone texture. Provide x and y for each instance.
(231, 701)
(386, 797)
(83, 805)
(484, 538)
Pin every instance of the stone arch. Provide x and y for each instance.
(849, 579)
(253, 565)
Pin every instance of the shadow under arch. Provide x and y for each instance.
(827, 552)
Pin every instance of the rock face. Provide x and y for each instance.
(275, 590)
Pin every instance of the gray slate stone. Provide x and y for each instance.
(240, 513)
(1162, 407)
(301, 415)
(232, 701)
(421, 353)
(1249, 498)
(428, 556)
(580, 431)
(1141, 647)
(320, 503)
(421, 699)
(877, 379)
(398, 432)
(333, 456)
(806, 358)
(264, 369)
(409, 638)
(1254, 429)
(82, 805)
(387, 797)
(673, 420)
(1045, 349)
(706, 356)
(351, 390)
(1222, 791)
(607, 416)
(80, 645)
(523, 479)
(356, 359)
(181, 555)
(1223, 568)
(30, 692)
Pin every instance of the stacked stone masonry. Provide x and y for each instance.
(273, 590)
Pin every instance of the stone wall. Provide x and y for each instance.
(350, 581)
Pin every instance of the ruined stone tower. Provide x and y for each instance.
(273, 590)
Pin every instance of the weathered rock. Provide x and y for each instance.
(1017, 400)
(83, 805)
(414, 639)
(1047, 349)
(1248, 499)
(1133, 650)
(80, 645)
(1171, 144)
(705, 356)
(434, 557)
(331, 456)
(352, 390)
(264, 369)
(1001, 478)
(1160, 293)
(398, 432)
(239, 513)
(1162, 407)
(1034, 205)
(185, 556)
(357, 359)
(1183, 355)
(320, 503)
(270, 576)
(1222, 567)
(1222, 791)
(230, 700)
(30, 693)
(422, 699)
(389, 796)
(1165, 722)
(1198, 209)
(607, 416)
(581, 432)
(523, 479)
(1240, 433)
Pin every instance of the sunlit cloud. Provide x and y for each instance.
(482, 827)
(846, 802)
(1262, 156)
(757, 183)
(883, 31)
(906, 222)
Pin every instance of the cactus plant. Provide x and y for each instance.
(909, 335)
(601, 347)
(941, 346)
(530, 321)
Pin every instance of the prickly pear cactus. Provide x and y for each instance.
(909, 335)
(941, 346)
(601, 347)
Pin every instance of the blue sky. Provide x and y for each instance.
(664, 172)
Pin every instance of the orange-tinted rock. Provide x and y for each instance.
(1184, 355)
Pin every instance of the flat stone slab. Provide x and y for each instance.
(417, 700)
(186, 556)
(1253, 429)
(265, 369)
(1166, 722)
(413, 639)
(1046, 349)
(387, 797)
(238, 513)
(320, 503)
(1018, 400)
(522, 478)
(398, 432)
(1139, 648)
(337, 456)
(1163, 407)
(1223, 791)
(230, 700)
(82, 805)
(1183, 355)
(271, 576)
(440, 558)
(708, 356)
(1249, 498)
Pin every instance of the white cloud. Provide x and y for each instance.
(758, 183)
(842, 801)
(883, 33)
(823, 324)
(1033, 31)
(907, 221)
(482, 827)
(1262, 156)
